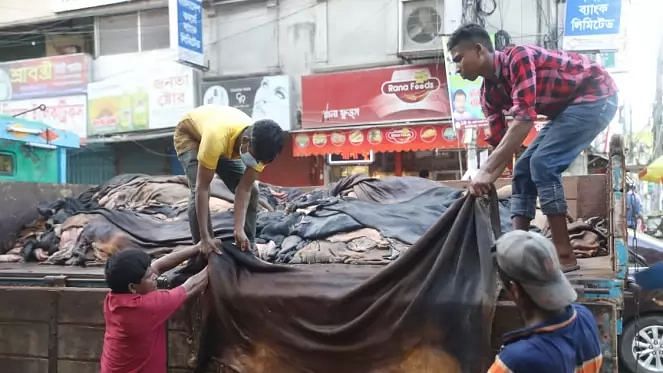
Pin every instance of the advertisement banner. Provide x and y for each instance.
(42, 77)
(66, 113)
(140, 100)
(350, 142)
(464, 95)
(267, 97)
(186, 25)
(399, 93)
(592, 24)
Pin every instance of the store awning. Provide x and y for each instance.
(349, 142)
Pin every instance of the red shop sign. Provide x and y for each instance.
(399, 93)
(348, 142)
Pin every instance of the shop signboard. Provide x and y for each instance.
(141, 99)
(265, 97)
(592, 24)
(67, 112)
(349, 142)
(186, 27)
(382, 95)
(43, 77)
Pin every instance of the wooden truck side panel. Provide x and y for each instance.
(60, 330)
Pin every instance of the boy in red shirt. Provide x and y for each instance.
(136, 312)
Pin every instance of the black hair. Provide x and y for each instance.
(470, 32)
(266, 140)
(459, 92)
(126, 267)
(424, 173)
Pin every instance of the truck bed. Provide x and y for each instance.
(33, 274)
(54, 321)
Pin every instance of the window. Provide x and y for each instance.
(133, 32)
(117, 34)
(154, 30)
(7, 164)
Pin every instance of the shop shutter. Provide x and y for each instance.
(90, 165)
(144, 157)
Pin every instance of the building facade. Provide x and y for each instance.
(322, 68)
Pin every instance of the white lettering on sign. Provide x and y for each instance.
(429, 84)
(593, 9)
(343, 114)
(394, 88)
(587, 23)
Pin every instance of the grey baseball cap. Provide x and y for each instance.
(530, 259)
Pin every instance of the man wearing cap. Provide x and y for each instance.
(559, 336)
(224, 140)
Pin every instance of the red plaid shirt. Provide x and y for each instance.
(533, 80)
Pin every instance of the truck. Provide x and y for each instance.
(51, 318)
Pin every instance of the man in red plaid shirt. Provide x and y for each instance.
(578, 97)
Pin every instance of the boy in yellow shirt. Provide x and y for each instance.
(224, 140)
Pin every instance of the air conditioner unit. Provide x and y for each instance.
(421, 23)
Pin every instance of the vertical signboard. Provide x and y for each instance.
(186, 30)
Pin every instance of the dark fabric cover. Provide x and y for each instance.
(391, 189)
(429, 311)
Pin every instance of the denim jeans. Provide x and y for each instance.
(230, 171)
(538, 170)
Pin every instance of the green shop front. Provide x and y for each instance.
(32, 151)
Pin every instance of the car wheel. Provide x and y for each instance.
(641, 346)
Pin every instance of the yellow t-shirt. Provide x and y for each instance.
(213, 130)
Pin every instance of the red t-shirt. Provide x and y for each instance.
(135, 338)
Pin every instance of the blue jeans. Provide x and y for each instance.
(539, 169)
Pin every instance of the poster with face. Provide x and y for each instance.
(267, 97)
(465, 96)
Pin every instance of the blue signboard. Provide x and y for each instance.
(190, 31)
(592, 17)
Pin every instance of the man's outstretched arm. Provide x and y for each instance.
(203, 180)
(242, 196)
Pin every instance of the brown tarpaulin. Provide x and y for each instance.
(429, 311)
